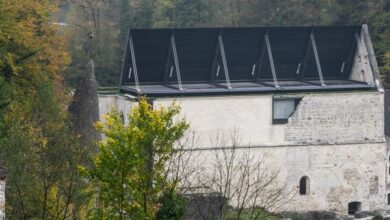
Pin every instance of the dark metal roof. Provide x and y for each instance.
(239, 60)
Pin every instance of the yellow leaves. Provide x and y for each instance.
(100, 125)
(55, 201)
(32, 44)
(43, 142)
(121, 168)
(387, 56)
(136, 205)
(10, 63)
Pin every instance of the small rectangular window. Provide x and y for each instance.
(388, 199)
(283, 108)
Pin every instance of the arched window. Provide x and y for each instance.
(304, 186)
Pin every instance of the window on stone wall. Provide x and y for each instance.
(354, 207)
(283, 108)
(304, 186)
(388, 199)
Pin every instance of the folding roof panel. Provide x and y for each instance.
(236, 59)
(196, 50)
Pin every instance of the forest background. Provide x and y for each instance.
(109, 21)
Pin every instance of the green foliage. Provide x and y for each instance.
(251, 214)
(172, 206)
(180, 13)
(35, 143)
(41, 157)
(377, 217)
(93, 32)
(129, 169)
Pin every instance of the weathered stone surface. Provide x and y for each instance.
(203, 206)
(84, 108)
(337, 118)
(336, 139)
(315, 215)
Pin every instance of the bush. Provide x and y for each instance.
(172, 206)
(377, 217)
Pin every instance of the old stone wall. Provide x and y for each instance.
(2, 199)
(336, 139)
(320, 118)
(120, 103)
(337, 118)
(338, 174)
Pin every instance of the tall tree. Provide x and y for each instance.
(39, 152)
(93, 31)
(129, 169)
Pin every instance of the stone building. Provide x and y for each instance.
(3, 175)
(309, 97)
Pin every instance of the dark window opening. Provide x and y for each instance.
(388, 199)
(304, 186)
(283, 108)
(353, 207)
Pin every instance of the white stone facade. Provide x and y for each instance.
(336, 139)
(2, 199)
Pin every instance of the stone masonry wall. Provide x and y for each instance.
(337, 118)
(338, 174)
(336, 139)
(2, 199)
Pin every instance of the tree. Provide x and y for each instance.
(93, 33)
(172, 206)
(40, 153)
(128, 171)
(180, 13)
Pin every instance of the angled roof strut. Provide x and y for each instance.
(133, 61)
(318, 64)
(271, 60)
(177, 67)
(225, 68)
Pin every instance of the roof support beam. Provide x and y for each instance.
(215, 68)
(271, 60)
(133, 61)
(168, 65)
(259, 62)
(318, 64)
(302, 66)
(124, 63)
(173, 44)
(225, 68)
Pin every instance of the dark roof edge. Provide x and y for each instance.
(249, 92)
(250, 27)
